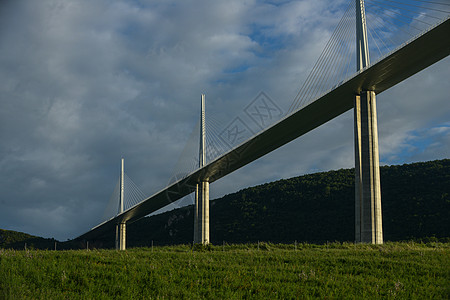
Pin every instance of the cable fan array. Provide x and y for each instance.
(390, 24)
(132, 196)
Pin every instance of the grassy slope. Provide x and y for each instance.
(408, 271)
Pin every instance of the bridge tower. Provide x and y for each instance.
(368, 222)
(201, 207)
(121, 227)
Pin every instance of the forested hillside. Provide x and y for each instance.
(312, 208)
(20, 240)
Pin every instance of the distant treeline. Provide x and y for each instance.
(313, 208)
(20, 240)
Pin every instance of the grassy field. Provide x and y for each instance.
(393, 270)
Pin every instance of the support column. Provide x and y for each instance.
(121, 236)
(121, 227)
(122, 185)
(362, 47)
(368, 219)
(201, 206)
(202, 200)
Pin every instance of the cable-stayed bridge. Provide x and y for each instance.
(331, 89)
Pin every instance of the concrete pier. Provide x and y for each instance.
(202, 208)
(368, 223)
(201, 205)
(121, 236)
(121, 227)
(368, 218)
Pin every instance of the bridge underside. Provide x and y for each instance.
(413, 57)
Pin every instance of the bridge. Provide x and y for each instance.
(358, 92)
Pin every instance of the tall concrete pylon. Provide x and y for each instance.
(368, 219)
(201, 207)
(121, 227)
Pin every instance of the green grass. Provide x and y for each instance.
(393, 270)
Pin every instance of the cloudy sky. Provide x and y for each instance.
(84, 83)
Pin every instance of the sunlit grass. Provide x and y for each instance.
(393, 270)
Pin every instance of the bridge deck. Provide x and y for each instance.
(413, 57)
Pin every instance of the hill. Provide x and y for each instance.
(313, 208)
(20, 240)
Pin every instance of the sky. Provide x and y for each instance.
(85, 83)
